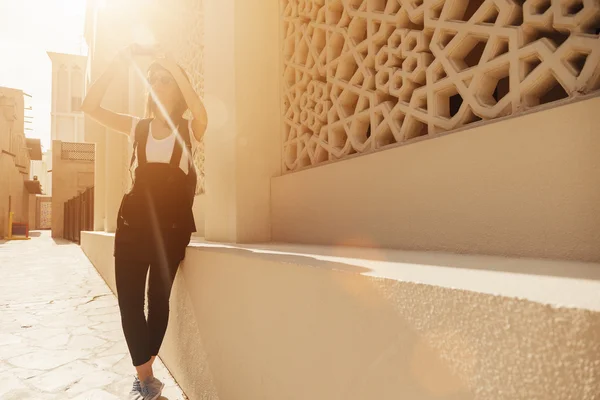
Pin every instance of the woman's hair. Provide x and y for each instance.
(181, 106)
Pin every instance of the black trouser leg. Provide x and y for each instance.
(162, 276)
(131, 281)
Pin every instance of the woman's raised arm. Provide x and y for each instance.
(92, 103)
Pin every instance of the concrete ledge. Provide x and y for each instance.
(297, 322)
(557, 283)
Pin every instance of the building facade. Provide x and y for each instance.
(68, 71)
(432, 168)
(70, 176)
(17, 190)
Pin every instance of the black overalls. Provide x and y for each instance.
(154, 226)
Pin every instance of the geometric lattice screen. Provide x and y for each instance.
(359, 75)
(77, 151)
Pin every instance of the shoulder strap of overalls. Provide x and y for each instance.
(184, 132)
(139, 141)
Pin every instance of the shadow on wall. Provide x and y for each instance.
(321, 334)
(315, 336)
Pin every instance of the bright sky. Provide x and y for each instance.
(29, 28)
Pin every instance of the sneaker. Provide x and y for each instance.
(151, 389)
(136, 390)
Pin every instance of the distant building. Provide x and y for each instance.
(70, 161)
(68, 83)
(42, 170)
(68, 71)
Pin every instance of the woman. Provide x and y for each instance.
(155, 220)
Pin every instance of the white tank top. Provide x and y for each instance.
(160, 150)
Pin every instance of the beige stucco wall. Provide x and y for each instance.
(69, 178)
(526, 187)
(108, 31)
(281, 323)
(14, 159)
(11, 184)
(242, 99)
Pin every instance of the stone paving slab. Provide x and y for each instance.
(60, 329)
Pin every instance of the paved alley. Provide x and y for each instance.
(60, 330)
